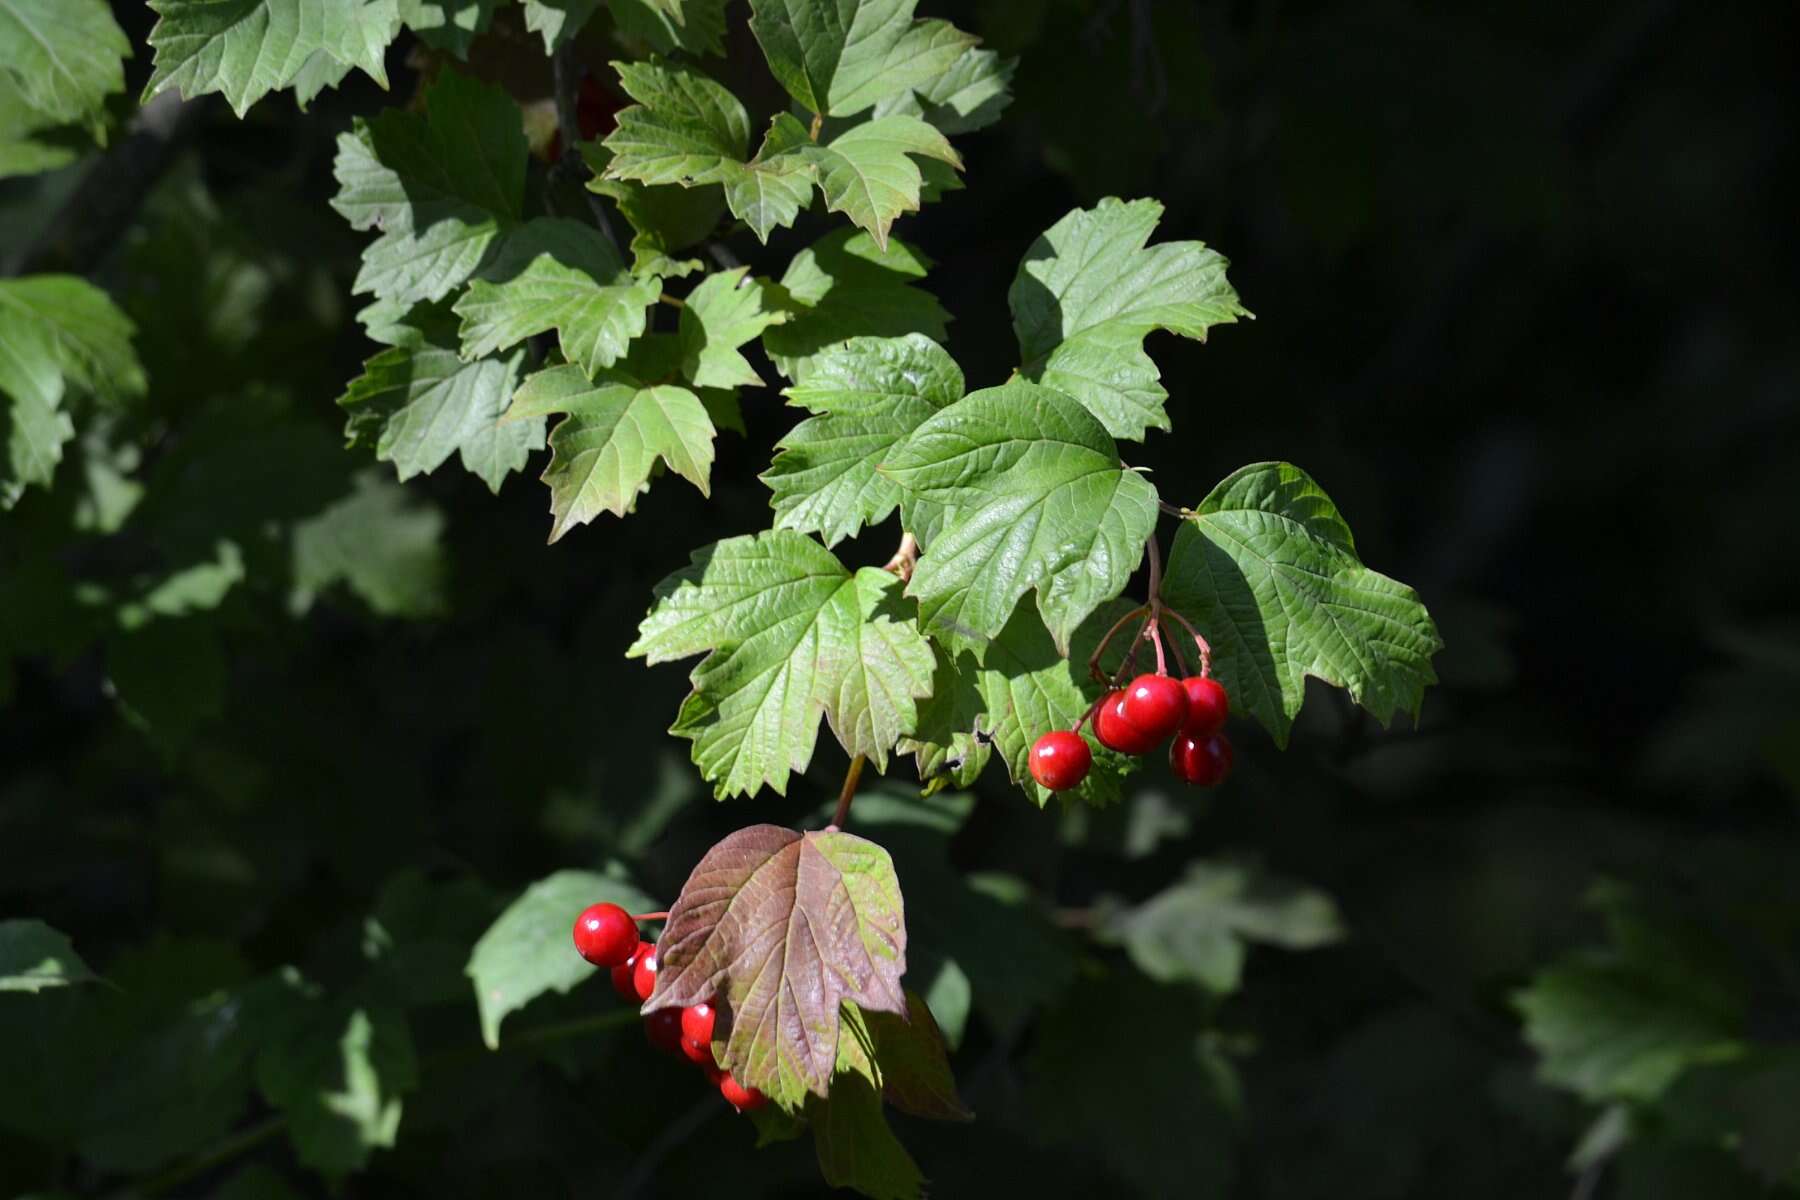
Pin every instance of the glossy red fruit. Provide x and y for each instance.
(596, 109)
(643, 976)
(605, 934)
(1201, 761)
(744, 1099)
(697, 1021)
(622, 980)
(663, 1028)
(1060, 759)
(712, 1070)
(700, 1052)
(1155, 705)
(1208, 705)
(1115, 733)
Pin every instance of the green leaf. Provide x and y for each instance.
(245, 49)
(772, 188)
(696, 26)
(617, 428)
(855, 1146)
(912, 1062)
(1625, 1021)
(946, 743)
(666, 218)
(379, 542)
(1040, 501)
(62, 58)
(448, 25)
(558, 21)
(845, 286)
(868, 174)
(60, 332)
(970, 94)
(727, 310)
(794, 635)
(1197, 930)
(557, 274)
(34, 956)
(869, 394)
(1268, 572)
(419, 403)
(839, 57)
(778, 928)
(527, 951)
(1087, 293)
(339, 1078)
(441, 187)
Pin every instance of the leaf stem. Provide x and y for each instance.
(655, 916)
(1094, 658)
(848, 792)
(905, 558)
(1155, 627)
(1200, 642)
(1175, 647)
(818, 123)
(1174, 510)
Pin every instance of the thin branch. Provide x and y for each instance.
(568, 123)
(1200, 643)
(848, 793)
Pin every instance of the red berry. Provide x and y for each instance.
(622, 980)
(643, 976)
(697, 1021)
(595, 109)
(1208, 705)
(709, 1068)
(605, 934)
(1114, 732)
(700, 1052)
(1155, 704)
(1201, 761)
(744, 1099)
(663, 1028)
(1060, 759)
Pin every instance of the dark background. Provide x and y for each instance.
(1522, 277)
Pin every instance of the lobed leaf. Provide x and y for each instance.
(779, 928)
(34, 956)
(449, 25)
(558, 21)
(868, 173)
(845, 286)
(1088, 292)
(839, 57)
(1267, 569)
(59, 60)
(696, 26)
(729, 309)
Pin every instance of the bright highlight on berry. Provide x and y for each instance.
(1207, 705)
(1060, 760)
(1155, 705)
(605, 935)
(1201, 762)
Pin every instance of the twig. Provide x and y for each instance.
(1174, 510)
(848, 793)
(568, 123)
(906, 557)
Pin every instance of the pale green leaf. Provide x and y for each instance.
(839, 57)
(665, 218)
(381, 544)
(441, 187)
(727, 310)
(696, 26)
(62, 57)
(867, 173)
(616, 430)
(769, 191)
(416, 405)
(245, 49)
(1089, 291)
(1039, 501)
(558, 21)
(845, 286)
(794, 635)
(868, 394)
(34, 956)
(527, 951)
(449, 25)
(1267, 571)
(685, 128)
(57, 332)
(1198, 929)
(554, 273)
(339, 1079)
(970, 94)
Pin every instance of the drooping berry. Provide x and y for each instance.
(1114, 732)
(605, 934)
(622, 975)
(663, 1028)
(744, 1099)
(1155, 705)
(700, 1052)
(697, 1021)
(643, 976)
(1202, 761)
(1208, 705)
(1060, 759)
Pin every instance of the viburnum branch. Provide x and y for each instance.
(848, 792)
(906, 557)
(1094, 658)
(1200, 642)
(568, 123)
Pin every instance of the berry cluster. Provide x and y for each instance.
(607, 936)
(1152, 708)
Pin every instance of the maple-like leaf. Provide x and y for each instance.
(844, 286)
(726, 311)
(839, 57)
(778, 928)
(795, 635)
(868, 173)
(60, 59)
(1090, 290)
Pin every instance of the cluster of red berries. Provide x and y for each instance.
(607, 936)
(1140, 717)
